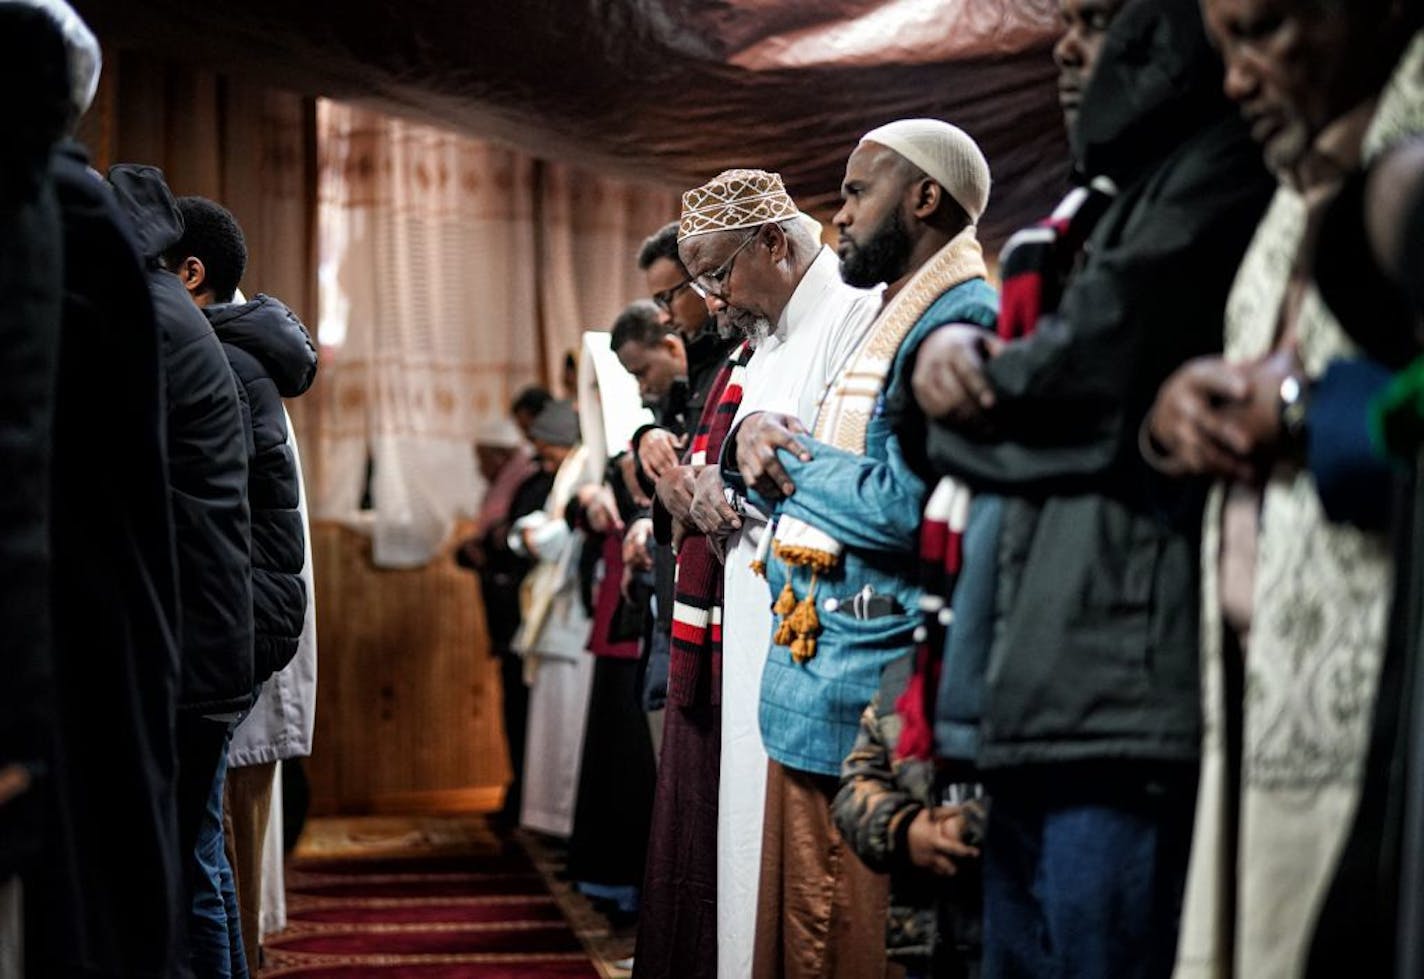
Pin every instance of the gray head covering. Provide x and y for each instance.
(557, 424)
(81, 50)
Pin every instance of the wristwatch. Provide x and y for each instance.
(1294, 402)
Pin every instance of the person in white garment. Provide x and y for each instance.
(760, 265)
(553, 636)
(554, 629)
(279, 728)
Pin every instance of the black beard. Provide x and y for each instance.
(881, 259)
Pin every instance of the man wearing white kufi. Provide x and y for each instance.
(839, 557)
(758, 262)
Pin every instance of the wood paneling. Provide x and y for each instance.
(408, 715)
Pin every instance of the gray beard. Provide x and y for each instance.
(732, 322)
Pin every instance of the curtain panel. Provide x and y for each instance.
(440, 273)
(452, 273)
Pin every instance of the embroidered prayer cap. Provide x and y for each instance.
(735, 199)
(946, 153)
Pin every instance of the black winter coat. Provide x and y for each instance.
(1096, 654)
(207, 466)
(35, 87)
(503, 571)
(106, 900)
(273, 358)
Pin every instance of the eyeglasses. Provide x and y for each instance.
(710, 284)
(663, 300)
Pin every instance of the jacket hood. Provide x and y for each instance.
(82, 54)
(1158, 80)
(143, 195)
(271, 332)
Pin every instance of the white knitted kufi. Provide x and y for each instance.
(946, 153)
(499, 433)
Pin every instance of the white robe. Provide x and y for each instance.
(823, 322)
(552, 640)
(554, 636)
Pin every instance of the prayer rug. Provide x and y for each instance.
(472, 907)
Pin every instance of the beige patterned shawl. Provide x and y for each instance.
(849, 402)
(1317, 638)
(847, 407)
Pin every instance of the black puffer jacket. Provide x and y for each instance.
(207, 466)
(105, 900)
(35, 88)
(273, 358)
(1095, 658)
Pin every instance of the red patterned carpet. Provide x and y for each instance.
(472, 908)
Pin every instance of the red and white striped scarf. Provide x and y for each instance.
(695, 666)
(1035, 265)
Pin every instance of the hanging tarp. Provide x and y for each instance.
(669, 91)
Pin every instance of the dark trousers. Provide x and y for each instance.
(616, 779)
(514, 705)
(1084, 872)
(214, 927)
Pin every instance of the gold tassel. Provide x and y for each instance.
(786, 603)
(758, 564)
(805, 624)
(798, 649)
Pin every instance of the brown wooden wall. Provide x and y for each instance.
(408, 715)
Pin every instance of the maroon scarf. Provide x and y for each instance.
(695, 666)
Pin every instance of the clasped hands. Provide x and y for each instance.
(659, 451)
(936, 839)
(695, 498)
(949, 382)
(1217, 418)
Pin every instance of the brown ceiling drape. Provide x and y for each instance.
(663, 91)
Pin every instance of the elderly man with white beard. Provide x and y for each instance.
(757, 261)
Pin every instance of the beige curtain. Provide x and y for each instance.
(449, 272)
(452, 273)
(590, 229)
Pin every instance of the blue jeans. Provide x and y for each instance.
(214, 924)
(1084, 872)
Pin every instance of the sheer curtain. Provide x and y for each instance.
(590, 229)
(452, 272)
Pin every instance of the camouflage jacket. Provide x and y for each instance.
(930, 917)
